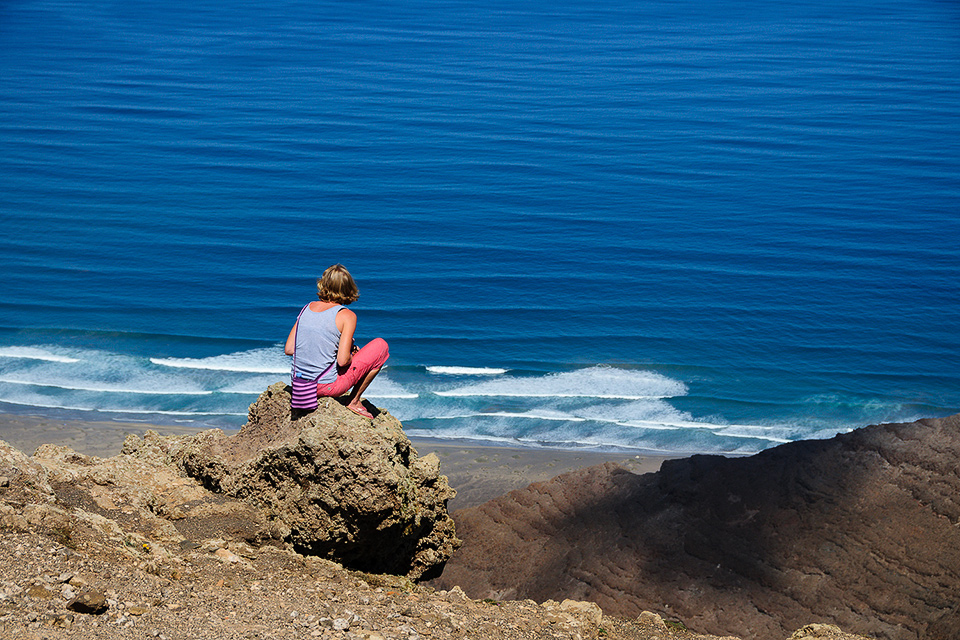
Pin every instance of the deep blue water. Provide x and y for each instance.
(671, 225)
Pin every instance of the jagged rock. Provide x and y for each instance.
(89, 601)
(652, 620)
(26, 481)
(822, 632)
(346, 488)
(862, 531)
(124, 505)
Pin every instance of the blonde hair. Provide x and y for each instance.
(337, 285)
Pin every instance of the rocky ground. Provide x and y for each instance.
(184, 537)
(56, 586)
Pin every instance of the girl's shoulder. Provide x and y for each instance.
(318, 306)
(346, 319)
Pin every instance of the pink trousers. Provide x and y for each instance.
(372, 356)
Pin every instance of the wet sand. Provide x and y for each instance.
(478, 472)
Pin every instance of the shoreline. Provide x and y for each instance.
(479, 472)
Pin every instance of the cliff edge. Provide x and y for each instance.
(862, 530)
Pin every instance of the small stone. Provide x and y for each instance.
(89, 601)
(815, 631)
(39, 591)
(456, 594)
(341, 624)
(64, 620)
(589, 610)
(651, 619)
(213, 545)
(226, 555)
(557, 617)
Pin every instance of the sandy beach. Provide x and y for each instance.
(478, 472)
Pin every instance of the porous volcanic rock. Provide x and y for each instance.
(861, 531)
(346, 488)
(127, 507)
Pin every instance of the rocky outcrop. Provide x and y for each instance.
(862, 531)
(129, 546)
(140, 511)
(340, 486)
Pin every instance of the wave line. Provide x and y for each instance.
(30, 353)
(127, 411)
(513, 394)
(105, 389)
(466, 371)
(213, 365)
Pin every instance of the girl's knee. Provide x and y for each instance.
(383, 350)
(379, 345)
(374, 353)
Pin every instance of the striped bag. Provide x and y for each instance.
(303, 394)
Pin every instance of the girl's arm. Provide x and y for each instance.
(347, 323)
(291, 341)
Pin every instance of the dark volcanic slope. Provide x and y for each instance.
(862, 531)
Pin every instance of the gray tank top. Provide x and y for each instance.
(317, 342)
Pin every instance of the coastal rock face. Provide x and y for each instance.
(861, 531)
(343, 487)
(128, 546)
(139, 510)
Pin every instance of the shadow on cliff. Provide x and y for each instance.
(860, 531)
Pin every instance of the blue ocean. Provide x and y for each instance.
(663, 225)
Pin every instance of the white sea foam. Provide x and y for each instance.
(107, 388)
(391, 396)
(271, 360)
(467, 371)
(595, 406)
(763, 432)
(385, 388)
(661, 416)
(67, 407)
(530, 415)
(659, 425)
(545, 443)
(161, 412)
(252, 385)
(594, 382)
(35, 353)
(755, 436)
(658, 417)
(472, 393)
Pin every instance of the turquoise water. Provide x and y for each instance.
(660, 225)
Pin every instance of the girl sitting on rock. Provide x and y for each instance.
(326, 362)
